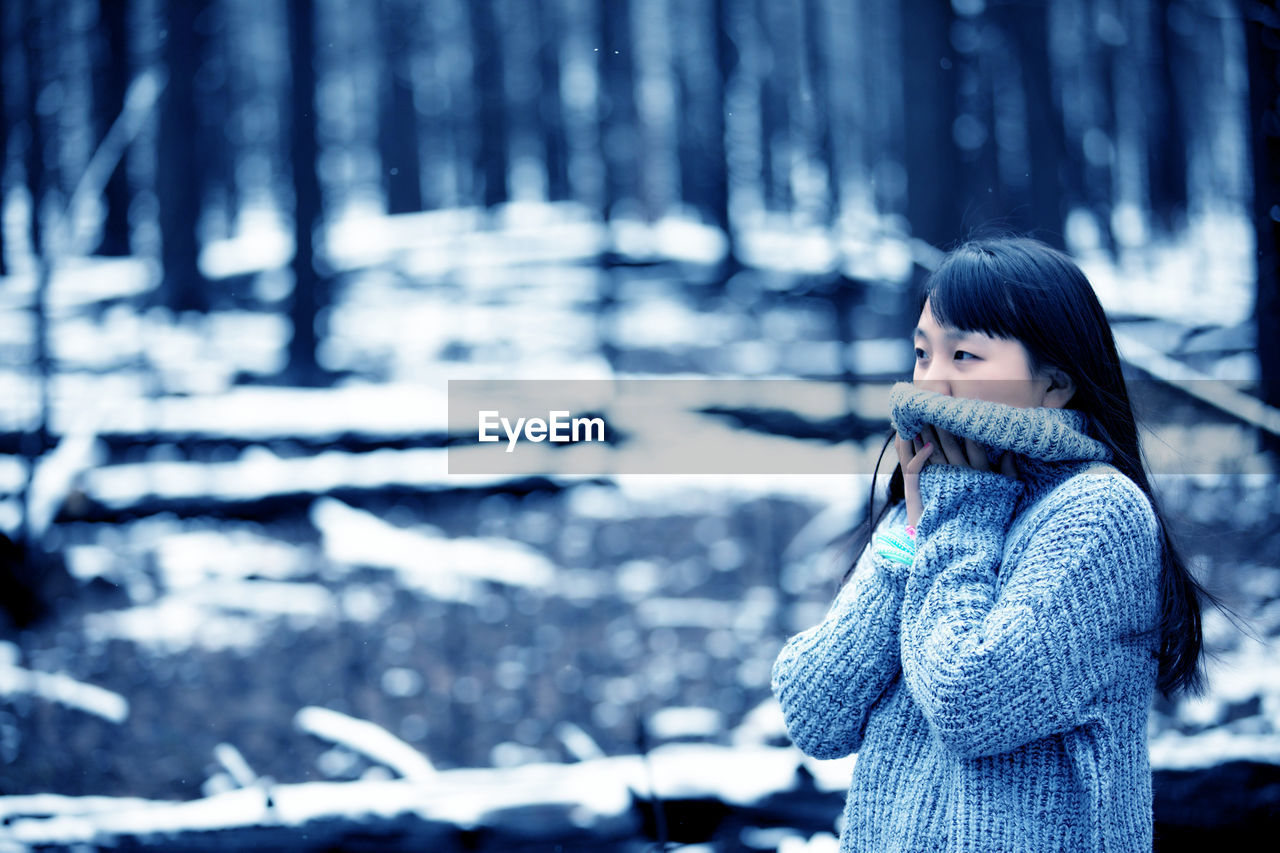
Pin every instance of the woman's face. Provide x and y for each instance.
(979, 367)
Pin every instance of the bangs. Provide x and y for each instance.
(968, 293)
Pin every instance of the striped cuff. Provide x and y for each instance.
(896, 546)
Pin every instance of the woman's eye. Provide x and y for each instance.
(961, 352)
(920, 353)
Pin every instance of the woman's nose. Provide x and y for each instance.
(935, 380)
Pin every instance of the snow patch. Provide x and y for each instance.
(448, 569)
(366, 738)
(64, 690)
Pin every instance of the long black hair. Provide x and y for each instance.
(1021, 289)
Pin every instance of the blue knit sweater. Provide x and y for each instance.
(996, 689)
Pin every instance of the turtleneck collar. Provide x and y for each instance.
(1049, 443)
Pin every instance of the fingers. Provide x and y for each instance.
(912, 455)
(1007, 466)
(949, 445)
(929, 435)
(962, 450)
(921, 459)
(976, 455)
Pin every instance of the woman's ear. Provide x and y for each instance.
(1061, 389)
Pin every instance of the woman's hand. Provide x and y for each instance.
(912, 457)
(937, 446)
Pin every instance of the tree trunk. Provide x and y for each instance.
(550, 116)
(306, 302)
(817, 56)
(1100, 180)
(492, 155)
(36, 55)
(717, 177)
(975, 79)
(929, 102)
(777, 132)
(178, 170)
(212, 93)
(34, 579)
(398, 124)
(704, 56)
(6, 98)
(1027, 28)
(1262, 39)
(109, 85)
(618, 108)
(1167, 148)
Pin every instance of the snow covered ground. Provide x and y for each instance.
(585, 794)
(299, 566)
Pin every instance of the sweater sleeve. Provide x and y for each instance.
(828, 677)
(994, 672)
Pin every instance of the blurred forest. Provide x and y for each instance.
(245, 244)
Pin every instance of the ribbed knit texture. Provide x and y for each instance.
(996, 690)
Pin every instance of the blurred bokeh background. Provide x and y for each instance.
(244, 244)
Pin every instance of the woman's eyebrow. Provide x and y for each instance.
(946, 334)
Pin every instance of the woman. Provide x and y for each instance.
(994, 650)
